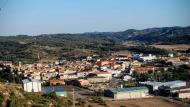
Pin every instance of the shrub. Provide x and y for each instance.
(90, 106)
(81, 102)
(51, 95)
(1, 99)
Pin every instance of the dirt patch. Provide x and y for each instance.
(122, 53)
(149, 102)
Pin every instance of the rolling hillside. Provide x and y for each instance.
(54, 46)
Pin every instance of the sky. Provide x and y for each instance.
(34, 17)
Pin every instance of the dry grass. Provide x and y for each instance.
(150, 102)
(176, 47)
(122, 53)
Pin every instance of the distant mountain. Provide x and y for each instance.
(164, 35)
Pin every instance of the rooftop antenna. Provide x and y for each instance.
(38, 56)
(109, 51)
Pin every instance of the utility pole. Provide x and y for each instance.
(109, 51)
(38, 56)
(73, 97)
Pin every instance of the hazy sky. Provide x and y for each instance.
(75, 16)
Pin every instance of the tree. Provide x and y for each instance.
(51, 95)
(11, 103)
(1, 99)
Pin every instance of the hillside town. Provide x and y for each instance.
(94, 53)
(135, 76)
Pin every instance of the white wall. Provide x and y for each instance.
(32, 87)
(184, 95)
(130, 95)
(28, 87)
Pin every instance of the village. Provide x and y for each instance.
(134, 76)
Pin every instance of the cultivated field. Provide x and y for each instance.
(181, 47)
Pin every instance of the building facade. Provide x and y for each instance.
(31, 85)
(127, 93)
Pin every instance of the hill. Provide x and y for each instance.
(30, 49)
(54, 46)
(165, 35)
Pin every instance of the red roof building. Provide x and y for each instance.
(103, 63)
(144, 69)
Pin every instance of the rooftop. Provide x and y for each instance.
(169, 83)
(49, 89)
(101, 73)
(181, 88)
(29, 80)
(116, 90)
(185, 91)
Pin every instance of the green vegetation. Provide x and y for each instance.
(175, 73)
(81, 102)
(164, 35)
(142, 76)
(147, 50)
(172, 73)
(1, 99)
(8, 75)
(51, 95)
(18, 98)
(64, 46)
(98, 100)
(29, 49)
(130, 83)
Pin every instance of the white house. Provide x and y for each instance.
(31, 85)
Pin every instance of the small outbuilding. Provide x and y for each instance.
(31, 85)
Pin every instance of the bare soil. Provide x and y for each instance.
(148, 102)
(181, 47)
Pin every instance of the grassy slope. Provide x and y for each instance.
(13, 94)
